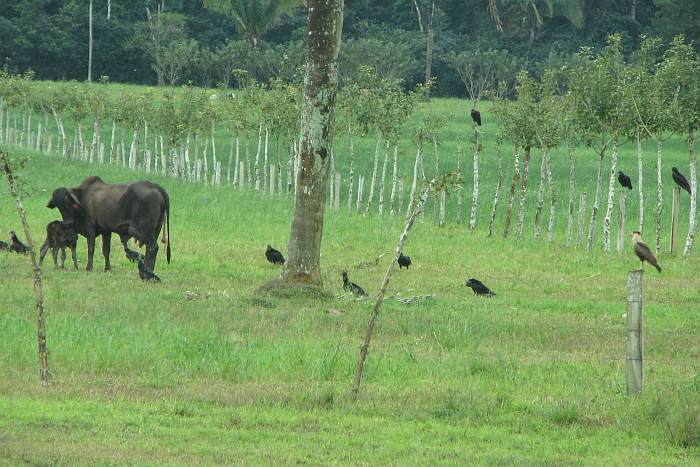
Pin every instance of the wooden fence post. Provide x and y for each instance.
(581, 216)
(635, 333)
(621, 223)
(675, 217)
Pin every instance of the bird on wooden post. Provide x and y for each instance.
(643, 252)
(624, 180)
(476, 116)
(680, 180)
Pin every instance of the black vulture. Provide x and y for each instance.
(4, 246)
(17, 246)
(352, 287)
(132, 255)
(476, 116)
(479, 288)
(681, 180)
(624, 180)
(274, 256)
(643, 252)
(145, 274)
(404, 261)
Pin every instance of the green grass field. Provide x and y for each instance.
(203, 369)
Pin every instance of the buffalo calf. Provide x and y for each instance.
(58, 237)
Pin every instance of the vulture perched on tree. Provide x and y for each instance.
(643, 252)
(624, 180)
(681, 180)
(476, 116)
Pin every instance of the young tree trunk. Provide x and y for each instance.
(596, 200)
(475, 191)
(581, 216)
(95, 144)
(523, 194)
(352, 167)
(230, 161)
(325, 22)
(411, 198)
(607, 222)
(394, 180)
(511, 195)
(497, 192)
(36, 270)
(553, 200)
(692, 223)
(572, 187)
(659, 195)
(265, 162)
(382, 290)
(540, 196)
(62, 130)
(257, 160)
(374, 173)
(639, 183)
(429, 59)
(111, 142)
(460, 187)
(383, 180)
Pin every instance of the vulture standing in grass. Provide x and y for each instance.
(680, 180)
(404, 261)
(4, 246)
(624, 180)
(479, 288)
(352, 287)
(274, 256)
(145, 274)
(17, 246)
(643, 252)
(476, 116)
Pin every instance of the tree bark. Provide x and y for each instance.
(475, 190)
(639, 183)
(572, 187)
(394, 180)
(352, 167)
(596, 200)
(320, 87)
(692, 223)
(511, 195)
(497, 193)
(382, 181)
(553, 200)
(540, 196)
(374, 173)
(412, 196)
(607, 222)
(523, 194)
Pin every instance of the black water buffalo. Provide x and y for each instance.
(59, 236)
(135, 210)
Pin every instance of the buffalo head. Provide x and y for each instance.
(68, 204)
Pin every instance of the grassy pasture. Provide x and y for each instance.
(203, 369)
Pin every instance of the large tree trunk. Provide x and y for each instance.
(511, 194)
(607, 222)
(523, 194)
(596, 200)
(320, 87)
(692, 223)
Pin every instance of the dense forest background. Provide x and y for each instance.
(179, 41)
